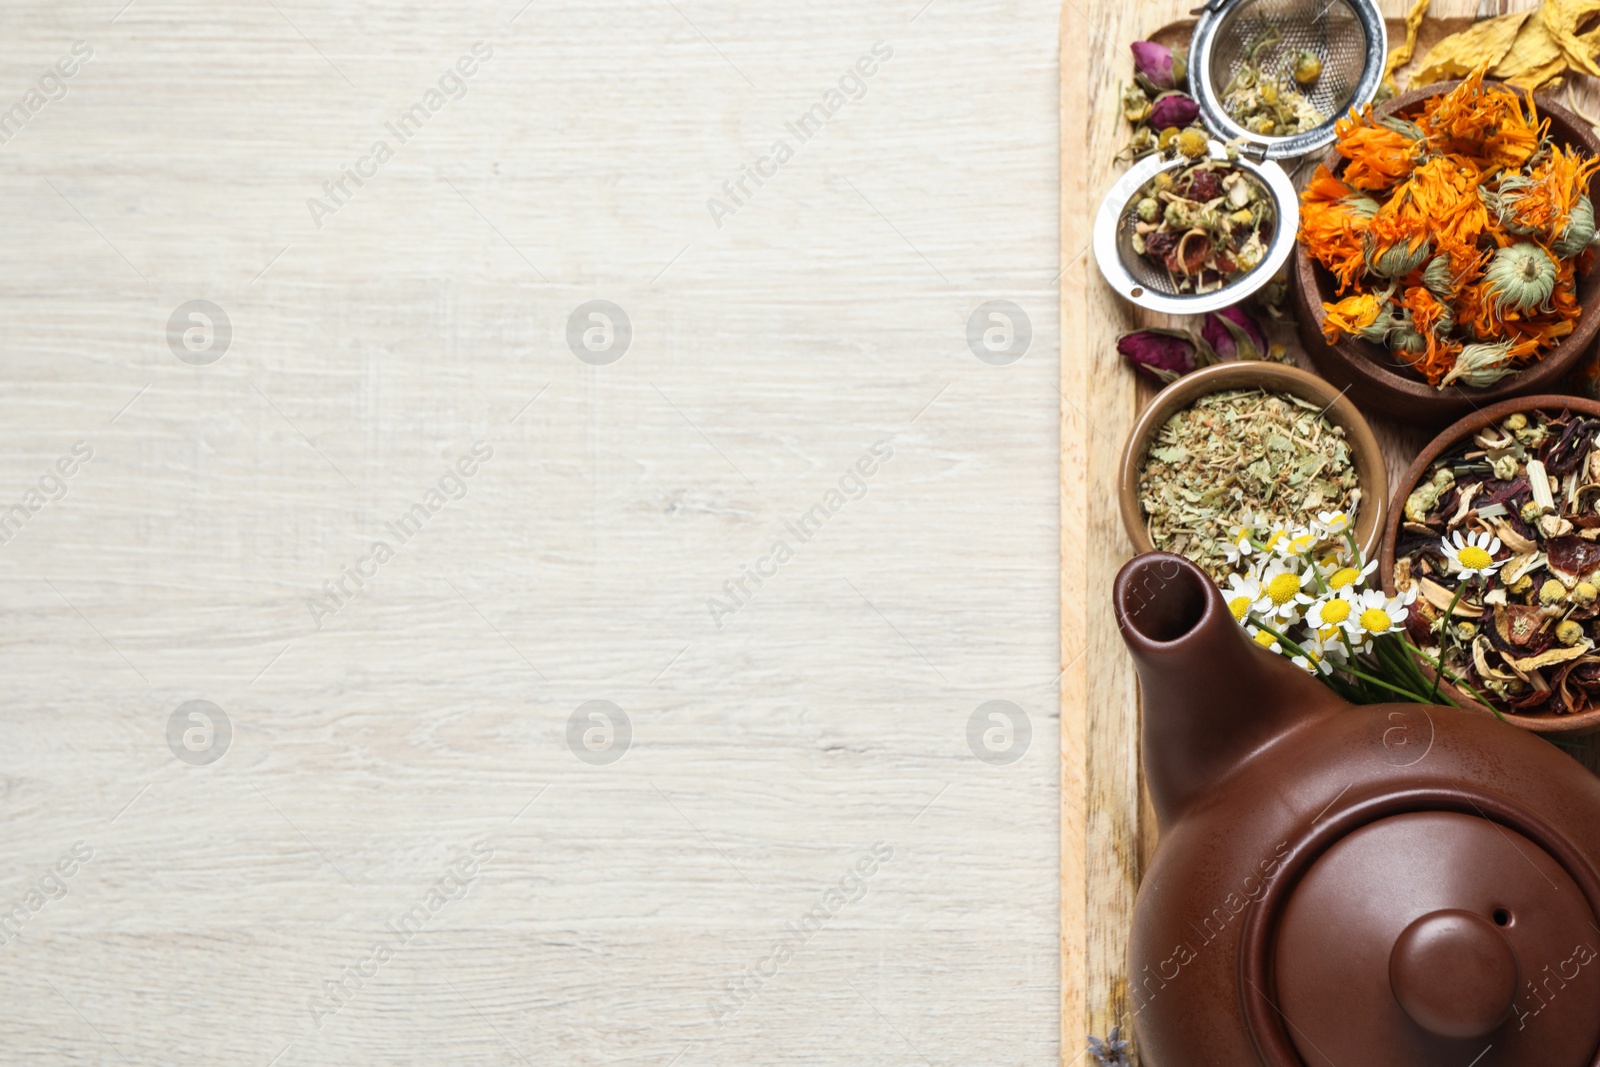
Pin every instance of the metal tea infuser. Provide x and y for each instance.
(1349, 39)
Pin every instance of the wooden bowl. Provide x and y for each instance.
(1549, 724)
(1371, 476)
(1377, 379)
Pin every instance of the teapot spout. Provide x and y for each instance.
(1212, 697)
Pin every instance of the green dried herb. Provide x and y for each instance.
(1242, 454)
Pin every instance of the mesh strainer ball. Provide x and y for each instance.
(1153, 287)
(1348, 36)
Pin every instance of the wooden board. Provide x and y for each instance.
(1108, 831)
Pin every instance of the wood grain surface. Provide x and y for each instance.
(812, 849)
(1105, 816)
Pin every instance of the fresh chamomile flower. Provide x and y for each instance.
(1322, 650)
(1243, 594)
(1474, 557)
(1378, 614)
(1350, 577)
(1312, 661)
(1330, 523)
(1239, 544)
(1299, 542)
(1265, 639)
(1273, 540)
(1283, 592)
(1330, 644)
(1338, 611)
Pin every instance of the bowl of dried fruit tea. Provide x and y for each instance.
(1497, 527)
(1241, 442)
(1446, 250)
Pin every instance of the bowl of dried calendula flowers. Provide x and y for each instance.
(1243, 446)
(1446, 250)
(1496, 529)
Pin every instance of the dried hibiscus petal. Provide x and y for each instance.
(1578, 684)
(1205, 185)
(1159, 245)
(1574, 555)
(1190, 255)
(1518, 628)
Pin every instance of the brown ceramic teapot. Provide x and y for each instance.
(1388, 886)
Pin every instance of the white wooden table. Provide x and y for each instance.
(400, 857)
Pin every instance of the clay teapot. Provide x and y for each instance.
(1385, 886)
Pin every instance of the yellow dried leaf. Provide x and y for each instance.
(1460, 54)
(1534, 58)
(1563, 19)
(1401, 55)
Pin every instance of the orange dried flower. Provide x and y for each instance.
(1446, 224)
(1482, 123)
(1445, 194)
(1543, 202)
(1332, 228)
(1350, 315)
(1379, 156)
(1427, 316)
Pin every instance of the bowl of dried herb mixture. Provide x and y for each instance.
(1247, 440)
(1496, 525)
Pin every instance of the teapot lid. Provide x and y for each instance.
(1436, 937)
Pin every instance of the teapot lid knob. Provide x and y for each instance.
(1454, 973)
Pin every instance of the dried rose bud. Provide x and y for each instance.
(1155, 63)
(1165, 355)
(1174, 110)
(1233, 334)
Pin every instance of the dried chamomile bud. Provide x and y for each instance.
(1135, 104)
(1522, 584)
(1552, 592)
(1192, 142)
(1516, 422)
(1306, 67)
(1531, 511)
(1148, 209)
(1569, 633)
(1584, 594)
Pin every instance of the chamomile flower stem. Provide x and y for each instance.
(1444, 632)
(1453, 679)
